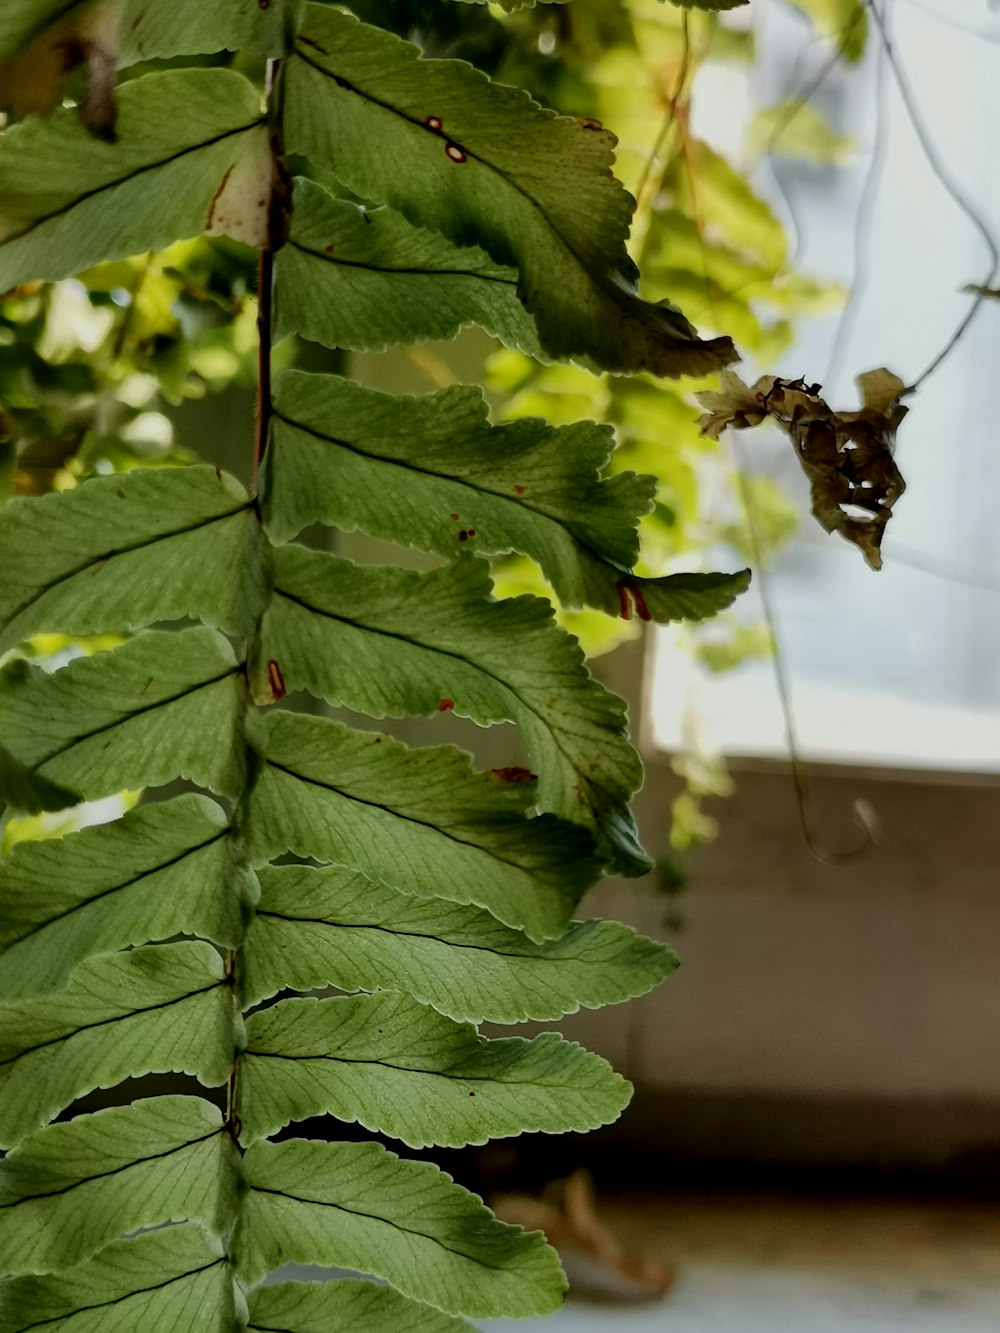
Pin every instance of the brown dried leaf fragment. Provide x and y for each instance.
(567, 1213)
(847, 456)
(734, 405)
(33, 81)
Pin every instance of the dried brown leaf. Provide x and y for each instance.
(567, 1213)
(847, 456)
(848, 459)
(736, 404)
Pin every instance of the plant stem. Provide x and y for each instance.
(262, 413)
(265, 276)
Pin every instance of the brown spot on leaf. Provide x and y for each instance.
(454, 153)
(454, 518)
(446, 705)
(463, 536)
(328, 249)
(631, 598)
(433, 123)
(513, 774)
(218, 474)
(263, 4)
(275, 680)
(215, 197)
(590, 123)
(519, 490)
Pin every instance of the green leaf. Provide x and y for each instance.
(69, 200)
(156, 1010)
(332, 927)
(25, 790)
(316, 1307)
(421, 820)
(342, 450)
(161, 870)
(510, 6)
(399, 1068)
(386, 641)
(845, 21)
(798, 130)
(175, 1279)
(485, 165)
(121, 552)
(365, 279)
(357, 1206)
(151, 29)
(162, 706)
(72, 1188)
(709, 6)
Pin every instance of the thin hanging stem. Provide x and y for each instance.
(862, 226)
(800, 776)
(957, 196)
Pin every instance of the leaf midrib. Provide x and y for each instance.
(104, 1022)
(470, 154)
(114, 552)
(123, 180)
(375, 1217)
(411, 272)
(139, 1291)
(550, 727)
(139, 712)
(418, 935)
(406, 465)
(408, 1069)
(103, 1175)
(397, 814)
(117, 888)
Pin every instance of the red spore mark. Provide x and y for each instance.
(218, 475)
(433, 123)
(454, 518)
(641, 609)
(446, 705)
(513, 774)
(519, 490)
(631, 598)
(454, 153)
(463, 536)
(276, 680)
